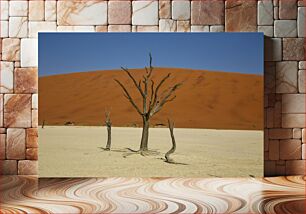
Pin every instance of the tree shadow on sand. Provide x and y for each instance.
(112, 150)
(172, 162)
(152, 152)
(128, 152)
(104, 149)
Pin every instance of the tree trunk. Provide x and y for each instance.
(109, 137)
(172, 150)
(145, 135)
(108, 124)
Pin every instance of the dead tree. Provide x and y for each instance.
(152, 99)
(173, 148)
(108, 124)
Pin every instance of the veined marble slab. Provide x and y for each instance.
(92, 12)
(29, 52)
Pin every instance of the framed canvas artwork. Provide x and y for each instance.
(151, 104)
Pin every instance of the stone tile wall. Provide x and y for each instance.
(282, 21)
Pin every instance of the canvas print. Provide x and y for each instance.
(150, 104)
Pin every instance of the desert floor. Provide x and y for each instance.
(75, 151)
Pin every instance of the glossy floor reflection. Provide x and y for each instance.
(153, 195)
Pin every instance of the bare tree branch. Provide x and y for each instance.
(167, 98)
(128, 96)
(171, 99)
(173, 148)
(170, 92)
(159, 107)
(145, 95)
(150, 55)
(145, 81)
(139, 84)
(157, 89)
(151, 67)
(152, 94)
(150, 70)
(108, 124)
(107, 115)
(134, 81)
(167, 93)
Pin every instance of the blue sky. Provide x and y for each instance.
(61, 53)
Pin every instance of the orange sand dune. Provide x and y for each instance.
(214, 100)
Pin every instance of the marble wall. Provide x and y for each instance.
(282, 21)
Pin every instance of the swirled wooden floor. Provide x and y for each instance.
(140, 195)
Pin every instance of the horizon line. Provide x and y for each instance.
(120, 69)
